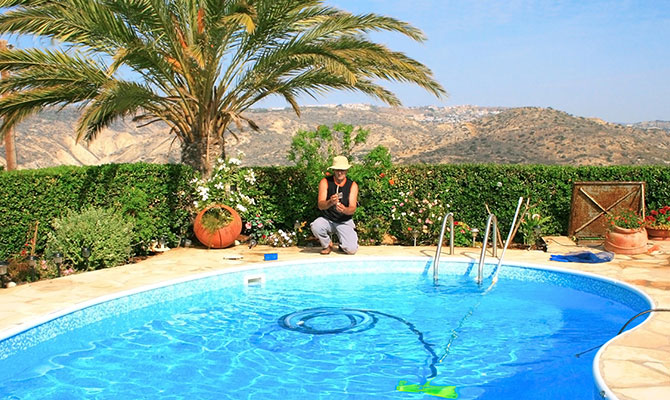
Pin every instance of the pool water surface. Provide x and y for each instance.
(375, 329)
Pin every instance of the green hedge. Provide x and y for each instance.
(465, 188)
(159, 196)
(156, 195)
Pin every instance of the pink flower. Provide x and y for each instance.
(247, 225)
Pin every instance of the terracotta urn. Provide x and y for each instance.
(626, 241)
(222, 237)
(658, 234)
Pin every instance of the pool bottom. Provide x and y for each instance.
(402, 357)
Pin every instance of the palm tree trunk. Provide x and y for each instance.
(10, 148)
(196, 154)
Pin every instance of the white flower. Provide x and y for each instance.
(499, 184)
(250, 177)
(234, 161)
(219, 186)
(241, 208)
(203, 191)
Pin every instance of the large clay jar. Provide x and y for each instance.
(224, 236)
(658, 234)
(626, 241)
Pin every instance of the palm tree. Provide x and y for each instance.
(196, 65)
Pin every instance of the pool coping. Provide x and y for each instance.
(620, 377)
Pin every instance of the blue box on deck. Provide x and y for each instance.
(270, 256)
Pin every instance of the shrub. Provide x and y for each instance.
(216, 218)
(106, 233)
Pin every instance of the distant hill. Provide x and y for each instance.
(414, 135)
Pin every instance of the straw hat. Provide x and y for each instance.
(340, 162)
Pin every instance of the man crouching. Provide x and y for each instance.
(337, 201)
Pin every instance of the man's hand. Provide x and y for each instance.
(334, 200)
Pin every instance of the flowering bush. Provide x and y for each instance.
(226, 186)
(659, 219)
(626, 218)
(462, 234)
(259, 228)
(417, 218)
(281, 239)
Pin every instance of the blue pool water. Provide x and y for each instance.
(359, 330)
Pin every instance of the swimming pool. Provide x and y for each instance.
(368, 328)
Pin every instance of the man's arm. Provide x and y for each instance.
(322, 202)
(353, 200)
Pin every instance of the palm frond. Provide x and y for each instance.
(116, 100)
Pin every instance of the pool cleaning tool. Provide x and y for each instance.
(447, 392)
(509, 237)
(359, 320)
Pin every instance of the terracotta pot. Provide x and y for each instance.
(658, 234)
(626, 241)
(224, 236)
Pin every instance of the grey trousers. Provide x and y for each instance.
(322, 228)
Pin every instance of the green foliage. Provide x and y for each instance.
(379, 157)
(313, 151)
(531, 225)
(106, 233)
(462, 234)
(157, 197)
(216, 218)
(463, 189)
(160, 198)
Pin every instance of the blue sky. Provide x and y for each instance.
(605, 59)
(590, 58)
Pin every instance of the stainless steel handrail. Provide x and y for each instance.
(492, 218)
(436, 260)
(509, 238)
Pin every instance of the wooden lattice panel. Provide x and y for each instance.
(592, 201)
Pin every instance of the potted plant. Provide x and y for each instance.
(626, 232)
(217, 226)
(658, 223)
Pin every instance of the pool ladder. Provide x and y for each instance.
(492, 220)
(436, 260)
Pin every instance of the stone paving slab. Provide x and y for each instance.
(635, 366)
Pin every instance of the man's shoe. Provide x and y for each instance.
(327, 250)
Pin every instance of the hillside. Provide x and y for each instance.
(414, 135)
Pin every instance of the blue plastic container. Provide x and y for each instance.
(270, 256)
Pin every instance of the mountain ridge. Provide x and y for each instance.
(457, 134)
